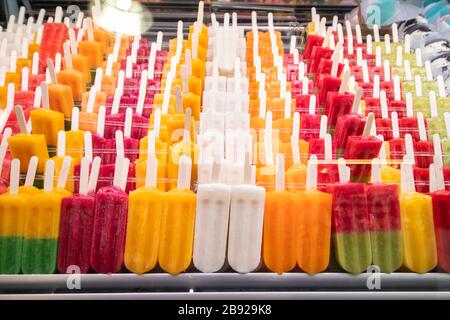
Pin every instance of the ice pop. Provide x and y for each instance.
(279, 225)
(110, 220)
(13, 208)
(41, 228)
(178, 221)
(313, 224)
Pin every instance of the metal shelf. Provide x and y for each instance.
(227, 286)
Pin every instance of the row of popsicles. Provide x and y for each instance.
(101, 230)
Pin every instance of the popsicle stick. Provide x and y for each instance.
(142, 93)
(441, 86)
(311, 173)
(24, 50)
(88, 145)
(305, 86)
(283, 86)
(129, 68)
(407, 176)
(312, 105)
(340, 33)
(157, 122)
(79, 20)
(328, 147)
(407, 66)
(378, 56)
(359, 56)
(369, 44)
(21, 119)
(292, 44)
(39, 34)
(397, 92)
(382, 153)
(116, 48)
(395, 127)
(326, 41)
(93, 176)
(58, 14)
(376, 174)
(439, 177)
(4, 146)
(73, 41)
(116, 101)
(352, 85)
(100, 120)
(90, 31)
(152, 59)
(166, 98)
(40, 18)
(432, 174)
(84, 176)
(383, 103)
(91, 99)
(437, 149)
(409, 105)
(418, 82)
(376, 86)
(67, 55)
(187, 125)
(433, 105)
(294, 139)
(179, 39)
(179, 100)
(120, 149)
(419, 61)
(237, 75)
(57, 63)
(428, 70)
(387, 44)
(25, 77)
(61, 144)
(350, 49)
(407, 43)
(128, 122)
(13, 61)
(14, 177)
(421, 125)
(447, 123)
(2, 76)
(9, 106)
(369, 123)
(287, 105)
(31, 171)
(48, 176)
(409, 148)
(342, 169)
(118, 172)
(344, 82)
(399, 56)
(279, 173)
(184, 173)
(357, 100)
(268, 146)
(335, 58)
(35, 63)
(316, 20)
(64, 173)
(376, 33)
(387, 71)
(395, 33)
(51, 70)
(365, 71)
(358, 34)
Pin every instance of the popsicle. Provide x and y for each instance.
(384, 124)
(423, 148)
(396, 144)
(310, 123)
(53, 37)
(211, 220)
(350, 224)
(178, 221)
(144, 222)
(99, 96)
(75, 138)
(338, 103)
(110, 222)
(435, 123)
(351, 124)
(13, 208)
(28, 187)
(77, 222)
(91, 48)
(440, 200)
(296, 174)
(383, 207)
(279, 225)
(362, 148)
(70, 77)
(41, 228)
(313, 224)
(265, 175)
(79, 62)
(45, 121)
(25, 145)
(419, 242)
